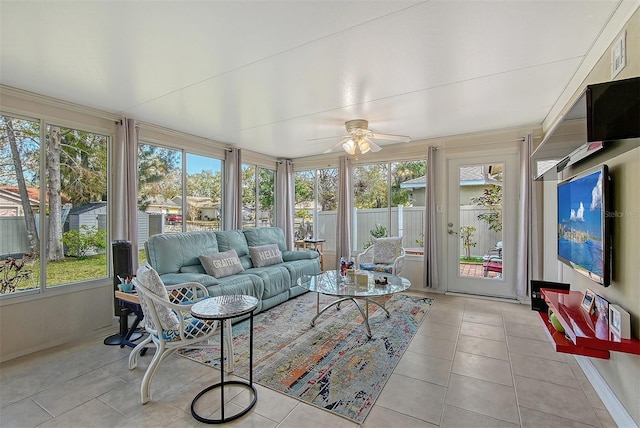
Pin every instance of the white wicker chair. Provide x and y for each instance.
(366, 261)
(169, 323)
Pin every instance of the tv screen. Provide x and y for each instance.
(613, 110)
(583, 224)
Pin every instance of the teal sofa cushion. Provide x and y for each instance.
(169, 252)
(235, 240)
(258, 236)
(174, 278)
(289, 256)
(193, 269)
(276, 279)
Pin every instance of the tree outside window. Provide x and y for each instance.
(75, 186)
(258, 196)
(316, 196)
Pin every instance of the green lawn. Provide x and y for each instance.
(71, 270)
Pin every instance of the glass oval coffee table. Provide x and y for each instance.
(331, 283)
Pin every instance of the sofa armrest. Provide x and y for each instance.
(289, 256)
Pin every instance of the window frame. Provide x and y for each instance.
(82, 119)
(389, 164)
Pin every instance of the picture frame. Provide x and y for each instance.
(619, 322)
(601, 308)
(588, 301)
(601, 312)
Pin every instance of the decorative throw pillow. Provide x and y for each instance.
(152, 282)
(385, 250)
(222, 264)
(265, 255)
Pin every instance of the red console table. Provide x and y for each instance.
(586, 334)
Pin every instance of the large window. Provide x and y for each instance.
(258, 196)
(61, 219)
(316, 199)
(389, 200)
(159, 191)
(162, 206)
(204, 193)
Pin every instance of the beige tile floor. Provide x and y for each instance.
(473, 363)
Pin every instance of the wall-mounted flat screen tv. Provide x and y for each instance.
(584, 235)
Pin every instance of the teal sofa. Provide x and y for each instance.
(176, 258)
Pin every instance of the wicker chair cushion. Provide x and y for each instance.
(377, 267)
(193, 327)
(151, 280)
(385, 250)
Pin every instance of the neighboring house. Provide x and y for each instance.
(162, 205)
(473, 181)
(201, 207)
(11, 204)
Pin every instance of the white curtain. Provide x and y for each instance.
(232, 211)
(124, 179)
(345, 205)
(431, 278)
(285, 199)
(522, 268)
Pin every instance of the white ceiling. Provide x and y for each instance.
(270, 76)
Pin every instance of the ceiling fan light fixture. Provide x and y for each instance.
(364, 146)
(349, 146)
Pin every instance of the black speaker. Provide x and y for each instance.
(122, 266)
(537, 301)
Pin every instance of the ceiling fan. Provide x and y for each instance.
(361, 138)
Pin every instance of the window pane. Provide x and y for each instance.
(408, 201)
(480, 196)
(316, 205)
(77, 207)
(371, 199)
(304, 204)
(266, 196)
(19, 169)
(327, 207)
(159, 192)
(204, 192)
(248, 196)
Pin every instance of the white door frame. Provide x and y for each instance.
(504, 287)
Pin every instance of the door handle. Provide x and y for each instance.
(452, 232)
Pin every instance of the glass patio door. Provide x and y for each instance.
(481, 225)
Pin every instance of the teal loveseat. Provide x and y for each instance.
(176, 258)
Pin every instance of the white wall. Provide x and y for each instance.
(622, 371)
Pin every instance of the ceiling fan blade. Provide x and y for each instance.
(327, 138)
(333, 148)
(389, 137)
(374, 146)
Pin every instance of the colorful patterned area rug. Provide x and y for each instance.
(333, 365)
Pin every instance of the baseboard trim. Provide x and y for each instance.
(611, 402)
(481, 297)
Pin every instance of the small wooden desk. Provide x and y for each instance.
(313, 244)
